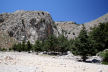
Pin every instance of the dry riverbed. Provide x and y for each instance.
(30, 62)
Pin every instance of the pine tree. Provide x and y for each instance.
(19, 47)
(46, 45)
(29, 46)
(37, 46)
(23, 46)
(82, 45)
(99, 35)
(52, 42)
(63, 44)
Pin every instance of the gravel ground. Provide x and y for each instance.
(30, 62)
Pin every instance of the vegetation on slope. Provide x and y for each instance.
(86, 44)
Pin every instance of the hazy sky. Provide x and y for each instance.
(80, 11)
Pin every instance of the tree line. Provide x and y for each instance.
(51, 44)
(86, 44)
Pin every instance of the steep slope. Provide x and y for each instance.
(96, 22)
(37, 25)
(27, 25)
(5, 40)
(72, 30)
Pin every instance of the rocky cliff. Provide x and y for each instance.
(37, 25)
(26, 25)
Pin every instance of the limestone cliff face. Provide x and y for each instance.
(27, 25)
(37, 25)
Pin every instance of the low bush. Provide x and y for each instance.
(104, 55)
(3, 49)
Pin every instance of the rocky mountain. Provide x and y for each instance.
(71, 29)
(96, 22)
(37, 25)
(25, 25)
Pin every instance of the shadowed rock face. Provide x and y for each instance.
(27, 25)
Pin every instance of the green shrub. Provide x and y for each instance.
(37, 46)
(104, 55)
(63, 44)
(29, 46)
(22, 46)
(46, 45)
(10, 49)
(3, 49)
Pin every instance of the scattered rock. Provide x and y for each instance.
(95, 59)
(8, 58)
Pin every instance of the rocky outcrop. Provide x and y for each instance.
(5, 40)
(72, 30)
(37, 25)
(27, 25)
(67, 29)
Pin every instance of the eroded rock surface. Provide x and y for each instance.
(27, 25)
(37, 25)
